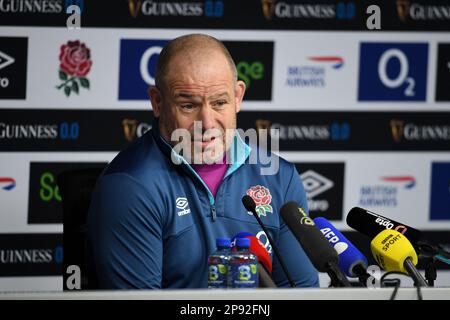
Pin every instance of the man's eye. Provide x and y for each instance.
(220, 103)
(187, 106)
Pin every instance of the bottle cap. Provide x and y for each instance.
(242, 242)
(223, 242)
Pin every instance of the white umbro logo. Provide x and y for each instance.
(5, 60)
(315, 183)
(183, 205)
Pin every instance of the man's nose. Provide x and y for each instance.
(206, 117)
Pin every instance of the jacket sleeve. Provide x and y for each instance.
(124, 235)
(297, 262)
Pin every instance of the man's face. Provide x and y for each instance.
(200, 96)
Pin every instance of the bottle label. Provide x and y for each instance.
(217, 276)
(244, 275)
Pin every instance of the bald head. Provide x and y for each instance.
(193, 49)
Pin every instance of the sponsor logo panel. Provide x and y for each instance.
(393, 71)
(440, 191)
(324, 187)
(13, 68)
(44, 205)
(443, 72)
(71, 130)
(352, 131)
(402, 15)
(31, 254)
(138, 58)
(254, 63)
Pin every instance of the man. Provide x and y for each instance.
(160, 204)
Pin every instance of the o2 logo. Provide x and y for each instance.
(152, 52)
(393, 72)
(402, 76)
(138, 67)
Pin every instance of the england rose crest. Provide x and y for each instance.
(262, 197)
(75, 64)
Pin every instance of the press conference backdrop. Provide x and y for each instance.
(364, 114)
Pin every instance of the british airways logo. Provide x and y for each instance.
(337, 62)
(386, 194)
(7, 183)
(315, 73)
(408, 181)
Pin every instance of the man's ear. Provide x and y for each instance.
(156, 100)
(239, 94)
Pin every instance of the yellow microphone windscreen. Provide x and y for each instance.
(390, 248)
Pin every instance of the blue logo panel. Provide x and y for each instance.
(440, 191)
(137, 67)
(393, 71)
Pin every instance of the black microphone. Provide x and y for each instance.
(250, 205)
(323, 257)
(371, 224)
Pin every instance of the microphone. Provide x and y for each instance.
(323, 257)
(250, 205)
(371, 224)
(393, 252)
(264, 262)
(351, 260)
(258, 249)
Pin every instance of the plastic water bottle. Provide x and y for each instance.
(243, 266)
(218, 263)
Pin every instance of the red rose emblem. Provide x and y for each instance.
(260, 195)
(75, 59)
(75, 64)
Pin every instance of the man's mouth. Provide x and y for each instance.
(205, 141)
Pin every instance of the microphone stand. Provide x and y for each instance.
(338, 279)
(430, 271)
(414, 273)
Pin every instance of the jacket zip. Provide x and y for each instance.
(213, 212)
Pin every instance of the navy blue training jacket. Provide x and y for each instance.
(153, 223)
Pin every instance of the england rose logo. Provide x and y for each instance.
(75, 64)
(262, 197)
